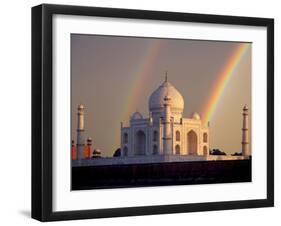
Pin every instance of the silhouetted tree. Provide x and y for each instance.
(217, 152)
(117, 153)
(237, 154)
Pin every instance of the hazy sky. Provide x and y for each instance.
(114, 76)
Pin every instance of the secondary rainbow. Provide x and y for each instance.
(138, 80)
(222, 81)
(139, 77)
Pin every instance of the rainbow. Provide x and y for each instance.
(138, 80)
(222, 81)
(139, 77)
(141, 72)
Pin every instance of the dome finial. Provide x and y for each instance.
(166, 76)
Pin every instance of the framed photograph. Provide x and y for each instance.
(145, 112)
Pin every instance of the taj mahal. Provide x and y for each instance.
(164, 136)
(165, 131)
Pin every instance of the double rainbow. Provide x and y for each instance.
(139, 76)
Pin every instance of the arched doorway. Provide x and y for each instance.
(125, 138)
(125, 151)
(155, 136)
(178, 151)
(155, 149)
(205, 150)
(192, 143)
(140, 142)
(205, 137)
(178, 136)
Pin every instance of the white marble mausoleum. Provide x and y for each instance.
(165, 131)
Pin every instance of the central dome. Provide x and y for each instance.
(156, 100)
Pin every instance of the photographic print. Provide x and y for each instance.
(130, 106)
(151, 111)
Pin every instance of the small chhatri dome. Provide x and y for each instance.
(136, 115)
(80, 106)
(166, 89)
(195, 116)
(89, 140)
(97, 151)
(245, 108)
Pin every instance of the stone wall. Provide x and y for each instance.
(152, 159)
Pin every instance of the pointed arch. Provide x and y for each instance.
(177, 150)
(192, 143)
(205, 137)
(155, 135)
(140, 143)
(205, 150)
(125, 151)
(155, 149)
(125, 138)
(178, 136)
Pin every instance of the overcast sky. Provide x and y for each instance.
(114, 76)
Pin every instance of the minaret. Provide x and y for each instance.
(167, 132)
(80, 132)
(245, 133)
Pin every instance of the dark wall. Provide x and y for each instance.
(156, 174)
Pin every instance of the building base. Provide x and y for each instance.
(152, 159)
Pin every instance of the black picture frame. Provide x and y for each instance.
(42, 107)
